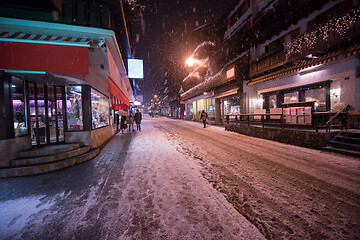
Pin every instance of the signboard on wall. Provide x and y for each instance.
(139, 98)
(135, 68)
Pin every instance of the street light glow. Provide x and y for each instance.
(191, 61)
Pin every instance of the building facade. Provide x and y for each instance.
(62, 75)
(298, 55)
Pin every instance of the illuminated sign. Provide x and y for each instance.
(139, 98)
(135, 68)
(230, 73)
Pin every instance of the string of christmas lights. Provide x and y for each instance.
(309, 40)
(207, 79)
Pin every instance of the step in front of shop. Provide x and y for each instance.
(49, 166)
(48, 150)
(20, 162)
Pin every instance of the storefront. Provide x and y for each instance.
(316, 89)
(194, 107)
(64, 93)
(229, 102)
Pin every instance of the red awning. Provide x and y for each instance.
(119, 101)
(44, 57)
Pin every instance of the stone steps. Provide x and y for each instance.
(347, 152)
(48, 150)
(347, 143)
(48, 159)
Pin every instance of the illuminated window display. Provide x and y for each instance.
(232, 105)
(291, 97)
(19, 107)
(273, 101)
(319, 96)
(74, 108)
(99, 109)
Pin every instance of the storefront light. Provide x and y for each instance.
(230, 73)
(335, 92)
(24, 71)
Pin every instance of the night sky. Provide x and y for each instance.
(163, 32)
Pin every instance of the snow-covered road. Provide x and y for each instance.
(177, 180)
(287, 192)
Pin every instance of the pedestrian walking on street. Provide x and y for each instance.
(138, 118)
(130, 121)
(203, 117)
(123, 125)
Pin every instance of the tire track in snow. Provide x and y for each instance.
(280, 198)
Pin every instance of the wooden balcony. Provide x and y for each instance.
(338, 33)
(267, 62)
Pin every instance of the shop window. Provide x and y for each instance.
(191, 111)
(19, 107)
(232, 105)
(273, 101)
(74, 108)
(291, 97)
(318, 95)
(99, 109)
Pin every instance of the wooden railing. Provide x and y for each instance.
(267, 63)
(255, 119)
(343, 120)
(321, 120)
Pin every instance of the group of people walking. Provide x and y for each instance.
(129, 119)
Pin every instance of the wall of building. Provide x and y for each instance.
(357, 84)
(100, 136)
(98, 82)
(341, 73)
(259, 50)
(299, 138)
(94, 138)
(82, 137)
(11, 147)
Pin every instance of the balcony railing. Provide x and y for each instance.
(335, 34)
(332, 35)
(267, 63)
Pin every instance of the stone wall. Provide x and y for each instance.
(303, 138)
(82, 137)
(94, 138)
(101, 135)
(10, 148)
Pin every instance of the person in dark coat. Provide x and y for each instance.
(130, 121)
(123, 123)
(203, 117)
(138, 118)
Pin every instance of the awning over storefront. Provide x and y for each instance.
(22, 56)
(227, 93)
(119, 101)
(44, 39)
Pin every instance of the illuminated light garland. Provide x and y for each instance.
(207, 79)
(340, 25)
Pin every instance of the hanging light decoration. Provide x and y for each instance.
(309, 40)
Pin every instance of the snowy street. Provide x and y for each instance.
(177, 180)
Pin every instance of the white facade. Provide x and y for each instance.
(344, 86)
